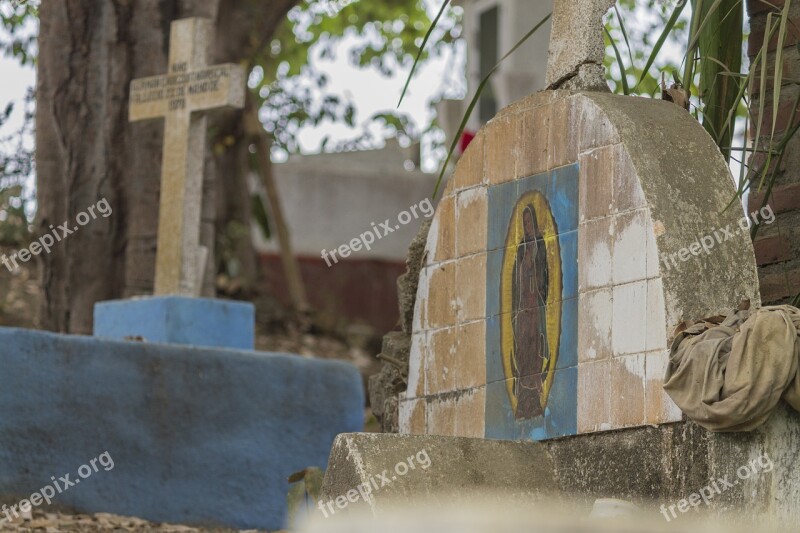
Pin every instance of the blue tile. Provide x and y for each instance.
(561, 416)
(538, 182)
(494, 355)
(562, 194)
(499, 419)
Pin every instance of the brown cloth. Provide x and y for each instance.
(730, 376)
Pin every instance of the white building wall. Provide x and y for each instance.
(330, 199)
(524, 71)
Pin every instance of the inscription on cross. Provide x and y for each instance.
(179, 97)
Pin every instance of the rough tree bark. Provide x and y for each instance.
(89, 50)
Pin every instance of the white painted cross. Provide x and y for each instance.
(178, 97)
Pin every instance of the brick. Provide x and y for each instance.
(756, 39)
(756, 7)
(787, 116)
(771, 250)
(781, 200)
(774, 287)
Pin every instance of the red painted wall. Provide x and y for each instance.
(357, 289)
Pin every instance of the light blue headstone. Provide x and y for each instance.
(178, 320)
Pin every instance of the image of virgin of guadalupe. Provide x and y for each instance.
(528, 319)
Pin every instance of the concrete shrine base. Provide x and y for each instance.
(650, 466)
(197, 435)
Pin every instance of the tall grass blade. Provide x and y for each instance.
(421, 49)
(475, 99)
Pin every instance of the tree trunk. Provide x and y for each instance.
(89, 51)
(777, 245)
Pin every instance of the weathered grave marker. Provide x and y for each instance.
(179, 97)
(577, 46)
(192, 402)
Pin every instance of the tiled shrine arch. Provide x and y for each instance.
(560, 256)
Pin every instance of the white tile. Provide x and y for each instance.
(594, 325)
(628, 193)
(416, 366)
(656, 316)
(629, 319)
(594, 254)
(660, 407)
(594, 397)
(420, 322)
(630, 245)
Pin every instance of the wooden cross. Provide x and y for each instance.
(577, 47)
(190, 87)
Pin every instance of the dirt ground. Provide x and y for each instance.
(59, 522)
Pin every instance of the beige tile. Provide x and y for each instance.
(448, 186)
(629, 318)
(627, 390)
(469, 171)
(596, 192)
(596, 129)
(471, 283)
(441, 304)
(659, 407)
(594, 325)
(500, 154)
(416, 365)
(471, 220)
(532, 139)
(412, 417)
(471, 355)
(471, 413)
(628, 194)
(595, 239)
(562, 146)
(442, 364)
(441, 416)
(629, 254)
(656, 338)
(594, 392)
(441, 243)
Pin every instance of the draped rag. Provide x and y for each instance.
(729, 373)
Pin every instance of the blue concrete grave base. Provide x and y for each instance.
(202, 436)
(178, 320)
